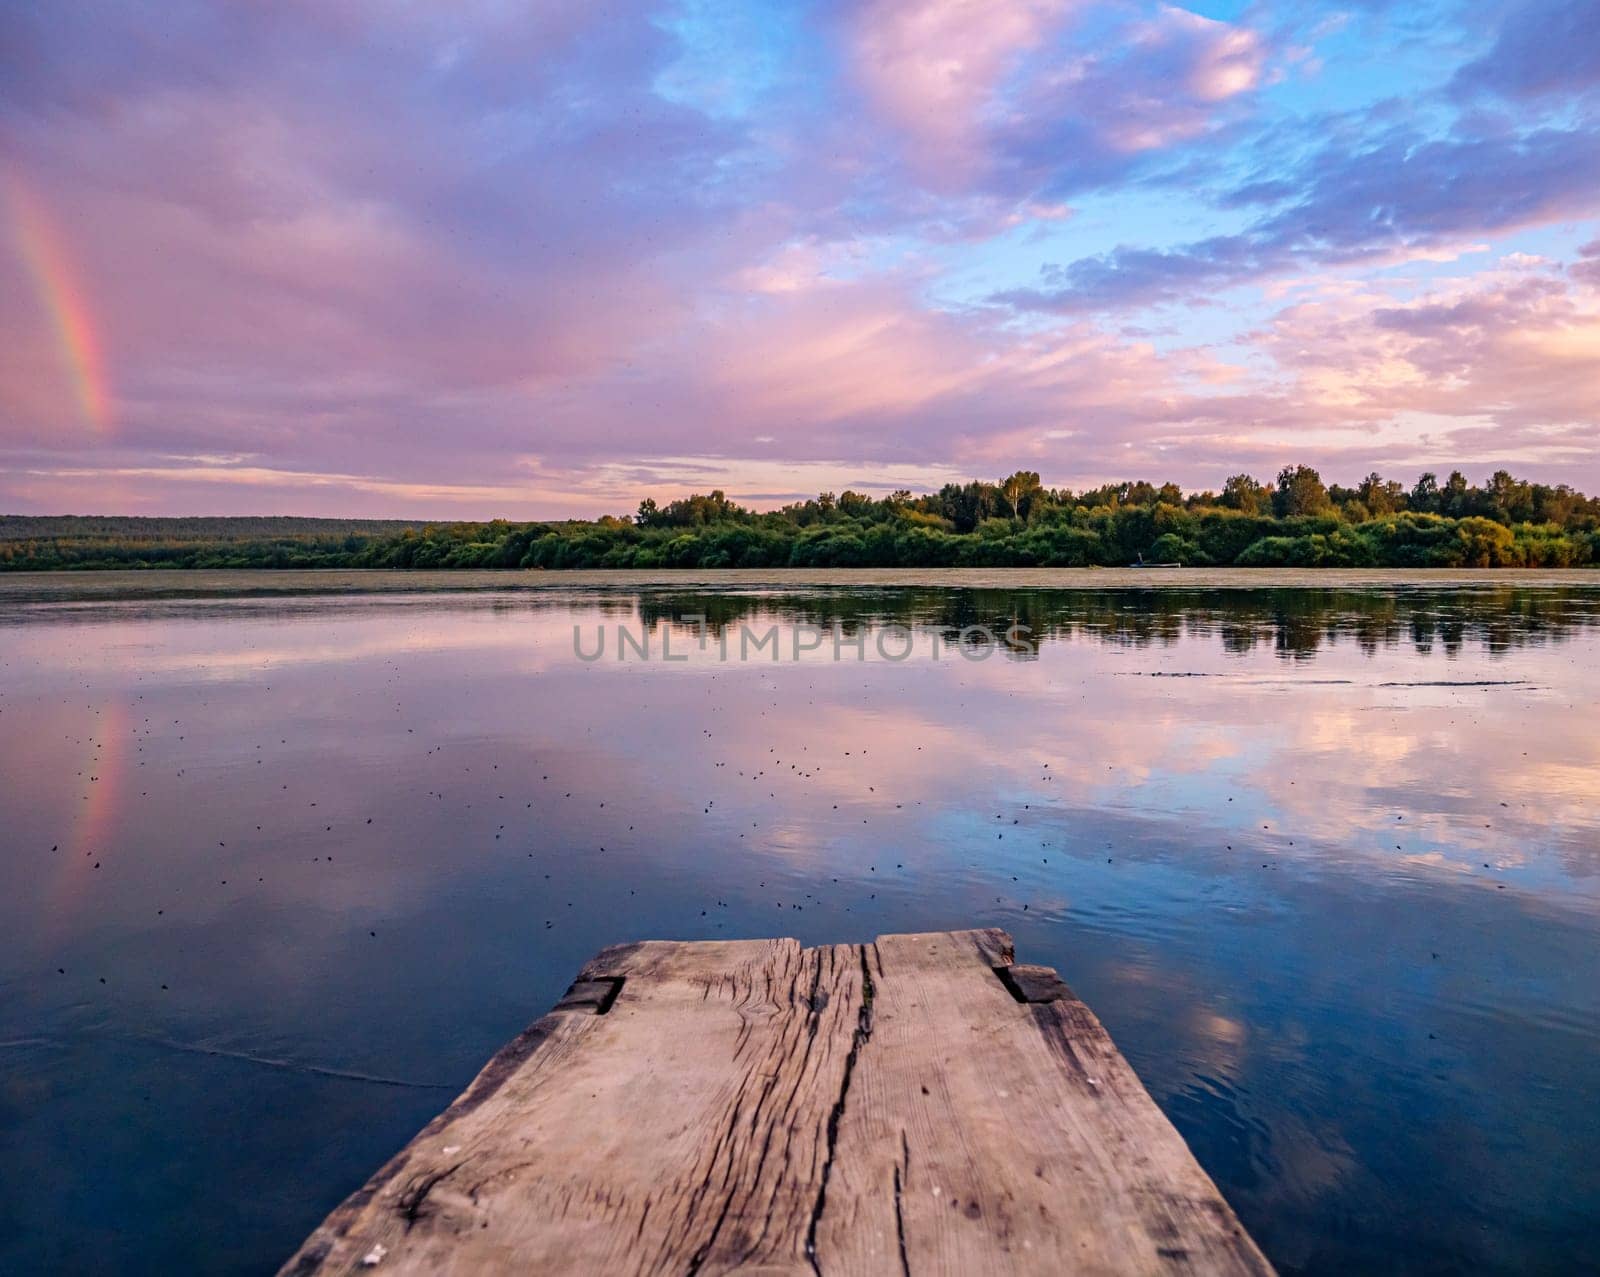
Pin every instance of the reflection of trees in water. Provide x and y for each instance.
(1295, 623)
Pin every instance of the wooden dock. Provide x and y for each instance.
(922, 1104)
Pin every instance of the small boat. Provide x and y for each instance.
(1140, 563)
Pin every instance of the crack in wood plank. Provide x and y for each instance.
(862, 1034)
(901, 1172)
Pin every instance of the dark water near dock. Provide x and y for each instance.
(277, 874)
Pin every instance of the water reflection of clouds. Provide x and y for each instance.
(204, 652)
(1305, 754)
(1111, 818)
(1324, 756)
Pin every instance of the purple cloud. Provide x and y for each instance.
(1543, 48)
(342, 255)
(1402, 196)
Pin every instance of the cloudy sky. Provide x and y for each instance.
(541, 259)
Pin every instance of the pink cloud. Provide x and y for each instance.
(466, 260)
(1020, 94)
(1222, 60)
(835, 381)
(933, 68)
(1517, 348)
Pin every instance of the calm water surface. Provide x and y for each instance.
(278, 874)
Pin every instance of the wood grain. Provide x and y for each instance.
(921, 1104)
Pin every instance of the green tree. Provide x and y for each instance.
(1020, 491)
(1300, 491)
(1241, 492)
(1425, 493)
(1485, 544)
(1380, 496)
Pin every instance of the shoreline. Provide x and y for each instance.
(87, 584)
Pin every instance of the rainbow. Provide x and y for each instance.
(94, 826)
(65, 301)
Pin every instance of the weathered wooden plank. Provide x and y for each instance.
(921, 1104)
(992, 1126)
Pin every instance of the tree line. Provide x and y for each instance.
(1296, 521)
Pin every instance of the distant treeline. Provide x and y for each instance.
(42, 542)
(1298, 521)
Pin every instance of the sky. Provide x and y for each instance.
(538, 260)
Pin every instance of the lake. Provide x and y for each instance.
(284, 858)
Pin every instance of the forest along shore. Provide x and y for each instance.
(1296, 522)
